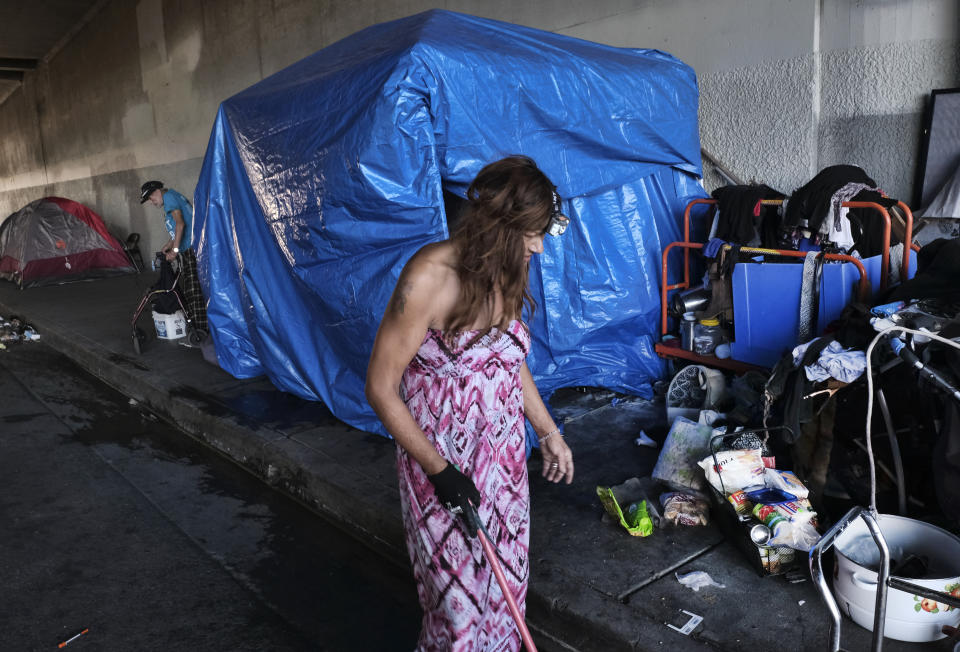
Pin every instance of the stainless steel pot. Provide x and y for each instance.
(691, 300)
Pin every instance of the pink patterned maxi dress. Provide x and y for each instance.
(468, 399)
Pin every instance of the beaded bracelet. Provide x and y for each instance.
(555, 431)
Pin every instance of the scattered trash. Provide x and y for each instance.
(802, 602)
(697, 580)
(644, 440)
(796, 576)
(14, 330)
(634, 516)
(73, 638)
(132, 401)
(684, 509)
(689, 626)
(627, 400)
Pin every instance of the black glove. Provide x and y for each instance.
(456, 492)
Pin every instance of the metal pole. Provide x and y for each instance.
(880, 609)
(816, 572)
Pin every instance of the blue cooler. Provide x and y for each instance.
(766, 304)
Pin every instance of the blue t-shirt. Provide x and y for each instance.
(173, 200)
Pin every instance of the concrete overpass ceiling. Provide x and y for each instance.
(32, 31)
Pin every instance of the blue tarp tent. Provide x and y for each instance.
(322, 180)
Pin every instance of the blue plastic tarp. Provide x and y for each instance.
(322, 180)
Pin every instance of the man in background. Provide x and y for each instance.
(178, 216)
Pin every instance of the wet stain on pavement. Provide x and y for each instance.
(299, 565)
(271, 408)
(123, 360)
(21, 418)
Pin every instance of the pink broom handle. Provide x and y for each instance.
(493, 558)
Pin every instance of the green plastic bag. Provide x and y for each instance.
(636, 520)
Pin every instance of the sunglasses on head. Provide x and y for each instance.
(558, 221)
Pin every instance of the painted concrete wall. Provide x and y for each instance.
(787, 86)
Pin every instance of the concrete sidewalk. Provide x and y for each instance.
(592, 586)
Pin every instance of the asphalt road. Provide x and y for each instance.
(114, 521)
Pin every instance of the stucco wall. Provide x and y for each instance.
(787, 86)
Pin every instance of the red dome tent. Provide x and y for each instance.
(55, 240)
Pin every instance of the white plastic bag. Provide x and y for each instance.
(740, 469)
(686, 443)
(697, 580)
(799, 534)
(786, 481)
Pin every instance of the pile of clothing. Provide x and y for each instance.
(812, 219)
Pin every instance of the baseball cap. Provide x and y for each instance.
(147, 189)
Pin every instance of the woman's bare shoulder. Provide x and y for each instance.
(430, 276)
(434, 264)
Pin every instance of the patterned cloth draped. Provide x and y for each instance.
(467, 397)
(192, 294)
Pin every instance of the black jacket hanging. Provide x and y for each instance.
(741, 210)
(811, 202)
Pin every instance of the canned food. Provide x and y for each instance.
(740, 503)
(760, 534)
(768, 515)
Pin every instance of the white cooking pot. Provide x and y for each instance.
(908, 617)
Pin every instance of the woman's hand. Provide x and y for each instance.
(557, 458)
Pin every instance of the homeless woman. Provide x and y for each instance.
(447, 378)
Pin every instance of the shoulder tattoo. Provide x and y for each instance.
(400, 295)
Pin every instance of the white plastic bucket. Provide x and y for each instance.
(170, 327)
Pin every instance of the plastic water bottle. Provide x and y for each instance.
(687, 331)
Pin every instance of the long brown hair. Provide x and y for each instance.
(508, 199)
